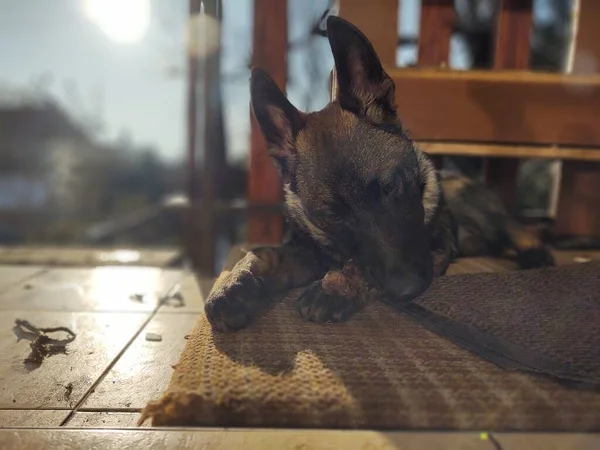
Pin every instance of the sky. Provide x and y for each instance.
(138, 87)
(135, 88)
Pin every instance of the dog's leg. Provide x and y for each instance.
(486, 227)
(531, 251)
(238, 295)
(336, 297)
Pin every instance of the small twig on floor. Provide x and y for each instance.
(42, 345)
(68, 391)
(137, 298)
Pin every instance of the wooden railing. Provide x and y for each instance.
(503, 115)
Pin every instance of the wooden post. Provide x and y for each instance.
(437, 20)
(511, 52)
(578, 211)
(378, 20)
(513, 35)
(193, 191)
(201, 215)
(269, 53)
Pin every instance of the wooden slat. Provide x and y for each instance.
(510, 151)
(270, 49)
(513, 35)
(378, 20)
(578, 209)
(213, 143)
(512, 51)
(579, 200)
(437, 17)
(499, 106)
(190, 221)
(195, 238)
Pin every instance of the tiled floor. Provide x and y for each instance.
(77, 256)
(110, 370)
(103, 378)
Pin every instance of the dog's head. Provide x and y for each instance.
(353, 179)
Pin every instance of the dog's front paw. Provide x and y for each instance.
(233, 301)
(317, 305)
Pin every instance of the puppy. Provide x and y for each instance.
(369, 215)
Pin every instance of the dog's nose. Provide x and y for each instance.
(406, 288)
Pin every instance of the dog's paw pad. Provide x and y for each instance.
(317, 305)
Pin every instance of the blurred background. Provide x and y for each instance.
(108, 110)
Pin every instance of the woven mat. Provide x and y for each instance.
(545, 320)
(380, 370)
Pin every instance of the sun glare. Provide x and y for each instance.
(123, 21)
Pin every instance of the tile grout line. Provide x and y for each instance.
(110, 410)
(45, 408)
(170, 292)
(494, 442)
(107, 369)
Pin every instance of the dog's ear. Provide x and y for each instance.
(362, 85)
(278, 119)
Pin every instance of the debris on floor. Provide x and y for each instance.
(42, 345)
(68, 391)
(153, 337)
(176, 299)
(136, 298)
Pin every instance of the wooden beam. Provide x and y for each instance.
(578, 211)
(200, 229)
(579, 201)
(269, 53)
(437, 20)
(510, 151)
(512, 49)
(513, 35)
(213, 142)
(516, 107)
(587, 47)
(437, 17)
(378, 20)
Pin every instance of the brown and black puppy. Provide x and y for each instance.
(365, 205)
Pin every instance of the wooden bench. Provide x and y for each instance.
(503, 115)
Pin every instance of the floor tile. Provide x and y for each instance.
(564, 257)
(143, 372)
(91, 289)
(476, 265)
(30, 418)
(105, 420)
(189, 294)
(92, 256)
(61, 379)
(11, 275)
(548, 441)
(240, 439)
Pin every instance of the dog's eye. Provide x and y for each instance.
(378, 189)
(393, 187)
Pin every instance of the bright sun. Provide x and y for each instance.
(123, 21)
